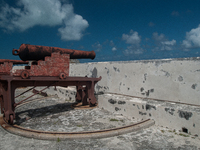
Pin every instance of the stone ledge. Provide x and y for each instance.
(179, 117)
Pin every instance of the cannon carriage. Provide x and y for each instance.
(49, 67)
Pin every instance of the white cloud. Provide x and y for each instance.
(133, 50)
(132, 38)
(30, 13)
(73, 28)
(97, 46)
(173, 42)
(192, 39)
(114, 49)
(162, 43)
(157, 37)
(112, 43)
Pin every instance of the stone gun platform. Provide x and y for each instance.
(55, 114)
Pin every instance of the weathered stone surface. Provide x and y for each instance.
(164, 79)
(55, 114)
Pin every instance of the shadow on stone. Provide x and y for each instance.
(23, 115)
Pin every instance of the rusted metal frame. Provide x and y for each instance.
(2, 104)
(90, 90)
(8, 98)
(51, 135)
(41, 93)
(37, 92)
(25, 92)
(84, 96)
(9, 80)
(86, 92)
(81, 95)
(78, 94)
(2, 95)
(1, 98)
(13, 61)
(39, 79)
(8, 93)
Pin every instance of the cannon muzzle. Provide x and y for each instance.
(34, 52)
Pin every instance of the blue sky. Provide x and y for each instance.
(117, 30)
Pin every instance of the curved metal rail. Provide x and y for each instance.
(46, 135)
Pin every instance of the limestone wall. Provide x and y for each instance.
(176, 80)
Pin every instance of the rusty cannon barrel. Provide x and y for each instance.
(34, 52)
(13, 61)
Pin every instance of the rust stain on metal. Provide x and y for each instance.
(38, 92)
(35, 52)
(49, 67)
(82, 106)
(13, 61)
(48, 135)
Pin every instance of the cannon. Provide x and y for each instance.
(13, 61)
(48, 66)
(35, 52)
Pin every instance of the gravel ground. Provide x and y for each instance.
(153, 138)
(54, 114)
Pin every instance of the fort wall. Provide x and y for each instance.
(176, 80)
